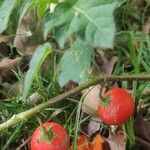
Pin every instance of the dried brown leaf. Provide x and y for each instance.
(146, 27)
(4, 50)
(93, 126)
(147, 1)
(29, 34)
(91, 100)
(142, 128)
(7, 63)
(97, 142)
(148, 112)
(12, 89)
(8, 76)
(5, 38)
(142, 144)
(117, 141)
(108, 66)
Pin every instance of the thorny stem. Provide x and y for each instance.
(24, 116)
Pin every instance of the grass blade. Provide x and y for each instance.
(39, 56)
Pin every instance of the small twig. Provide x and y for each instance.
(24, 116)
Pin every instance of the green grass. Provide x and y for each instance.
(133, 59)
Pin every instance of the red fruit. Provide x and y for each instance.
(116, 106)
(50, 136)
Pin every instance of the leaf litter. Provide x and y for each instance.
(142, 131)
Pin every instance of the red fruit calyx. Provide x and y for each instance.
(104, 101)
(46, 135)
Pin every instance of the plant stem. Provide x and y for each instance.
(24, 116)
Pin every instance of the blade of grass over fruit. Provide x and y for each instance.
(38, 58)
(77, 123)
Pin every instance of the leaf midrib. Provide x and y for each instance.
(81, 11)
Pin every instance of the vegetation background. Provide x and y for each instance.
(52, 50)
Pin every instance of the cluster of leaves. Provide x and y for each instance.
(83, 24)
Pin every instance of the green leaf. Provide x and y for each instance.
(41, 6)
(92, 21)
(39, 56)
(75, 63)
(41, 2)
(5, 12)
(1, 1)
(41, 10)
